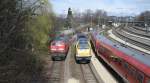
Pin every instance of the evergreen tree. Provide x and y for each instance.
(69, 22)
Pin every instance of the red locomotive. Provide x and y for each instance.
(133, 66)
(59, 47)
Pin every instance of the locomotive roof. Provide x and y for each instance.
(140, 56)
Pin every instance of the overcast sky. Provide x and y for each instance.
(113, 7)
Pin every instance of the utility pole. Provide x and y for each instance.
(99, 21)
(91, 21)
(145, 24)
(126, 21)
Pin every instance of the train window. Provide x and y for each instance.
(101, 49)
(122, 62)
(125, 65)
(107, 51)
(132, 71)
(115, 58)
(140, 77)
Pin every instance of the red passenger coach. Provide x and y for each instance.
(133, 66)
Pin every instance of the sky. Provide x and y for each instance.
(112, 7)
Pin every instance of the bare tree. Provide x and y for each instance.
(100, 16)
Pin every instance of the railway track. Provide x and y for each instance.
(69, 71)
(141, 29)
(134, 37)
(57, 70)
(83, 73)
(130, 39)
(137, 32)
(88, 74)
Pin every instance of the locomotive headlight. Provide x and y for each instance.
(78, 52)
